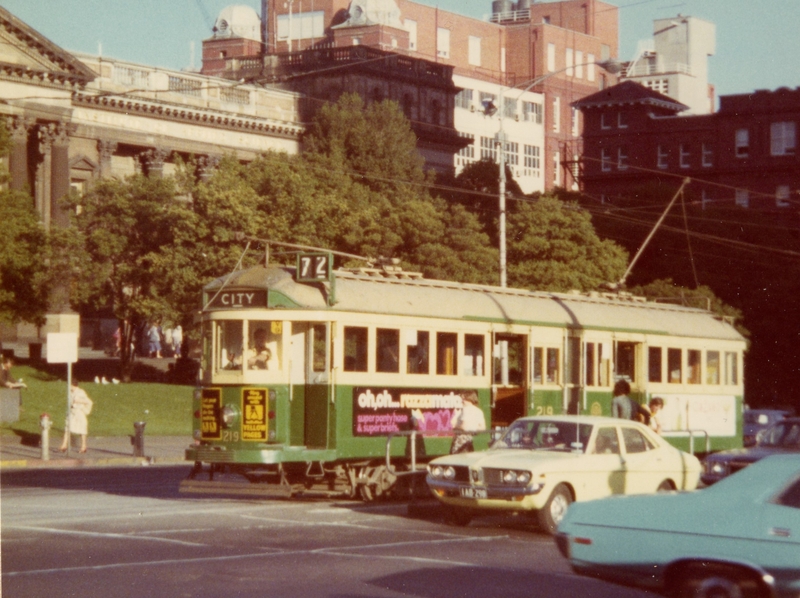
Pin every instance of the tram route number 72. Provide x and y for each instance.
(313, 267)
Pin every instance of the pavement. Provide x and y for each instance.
(102, 451)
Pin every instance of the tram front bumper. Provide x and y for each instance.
(257, 455)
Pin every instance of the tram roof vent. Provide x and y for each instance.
(387, 271)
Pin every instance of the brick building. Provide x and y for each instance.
(745, 154)
(557, 42)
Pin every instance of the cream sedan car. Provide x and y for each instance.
(542, 464)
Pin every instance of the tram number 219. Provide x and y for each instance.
(544, 410)
(313, 266)
(230, 436)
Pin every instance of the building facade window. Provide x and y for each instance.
(590, 60)
(411, 27)
(532, 161)
(557, 169)
(605, 121)
(532, 112)
(305, 25)
(474, 50)
(488, 149)
(622, 158)
(464, 99)
(605, 159)
(684, 155)
(551, 57)
(576, 127)
(556, 115)
(782, 138)
(743, 198)
(579, 64)
(622, 120)
(509, 107)
(443, 42)
(742, 143)
(782, 194)
(569, 62)
(663, 158)
(708, 155)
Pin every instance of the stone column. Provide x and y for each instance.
(207, 166)
(153, 160)
(59, 179)
(42, 189)
(19, 127)
(106, 149)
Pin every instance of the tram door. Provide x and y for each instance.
(309, 391)
(509, 377)
(573, 376)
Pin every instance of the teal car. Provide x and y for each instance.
(739, 538)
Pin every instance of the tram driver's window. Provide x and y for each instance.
(712, 367)
(446, 353)
(387, 356)
(654, 364)
(355, 349)
(319, 348)
(417, 362)
(230, 345)
(731, 368)
(626, 361)
(538, 364)
(553, 365)
(473, 354)
(693, 373)
(674, 365)
(264, 345)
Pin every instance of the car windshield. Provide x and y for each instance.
(546, 435)
(783, 435)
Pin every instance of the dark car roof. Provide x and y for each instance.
(758, 452)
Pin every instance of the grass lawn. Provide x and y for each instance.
(165, 407)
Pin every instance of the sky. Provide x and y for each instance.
(757, 41)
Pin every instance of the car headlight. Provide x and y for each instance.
(435, 470)
(509, 477)
(524, 477)
(513, 476)
(229, 413)
(449, 473)
(717, 468)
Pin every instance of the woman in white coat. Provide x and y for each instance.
(80, 408)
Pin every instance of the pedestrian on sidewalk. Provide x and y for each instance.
(6, 379)
(80, 408)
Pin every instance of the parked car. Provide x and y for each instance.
(756, 420)
(543, 464)
(782, 437)
(737, 539)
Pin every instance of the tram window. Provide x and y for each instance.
(264, 345)
(446, 353)
(418, 354)
(590, 365)
(538, 364)
(230, 345)
(712, 367)
(654, 364)
(319, 347)
(553, 365)
(355, 349)
(674, 365)
(473, 354)
(731, 368)
(693, 360)
(387, 356)
(626, 361)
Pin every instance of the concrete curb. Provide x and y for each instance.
(64, 463)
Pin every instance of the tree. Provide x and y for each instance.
(553, 246)
(125, 228)
(24, 275)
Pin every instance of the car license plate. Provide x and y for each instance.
(473, 492)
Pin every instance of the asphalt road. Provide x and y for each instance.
(127, 532)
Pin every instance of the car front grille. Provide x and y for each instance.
(462, 474)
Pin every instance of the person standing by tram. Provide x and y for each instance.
(622, 405)
(469, 418)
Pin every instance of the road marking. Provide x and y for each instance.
(328, 551)
(51, 530)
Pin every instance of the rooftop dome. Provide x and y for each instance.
(238, 20)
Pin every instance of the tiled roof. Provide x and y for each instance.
(629, 92)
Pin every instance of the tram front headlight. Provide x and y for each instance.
(229, 414)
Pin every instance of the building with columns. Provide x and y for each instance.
(555, 45)
(74, 118)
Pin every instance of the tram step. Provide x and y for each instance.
(241, 488)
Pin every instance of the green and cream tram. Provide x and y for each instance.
(307, 371)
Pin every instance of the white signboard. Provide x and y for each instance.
(716, 414)
(62, 347)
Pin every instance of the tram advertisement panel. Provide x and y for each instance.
(254, 414)
(210, 407)
(381, 411)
